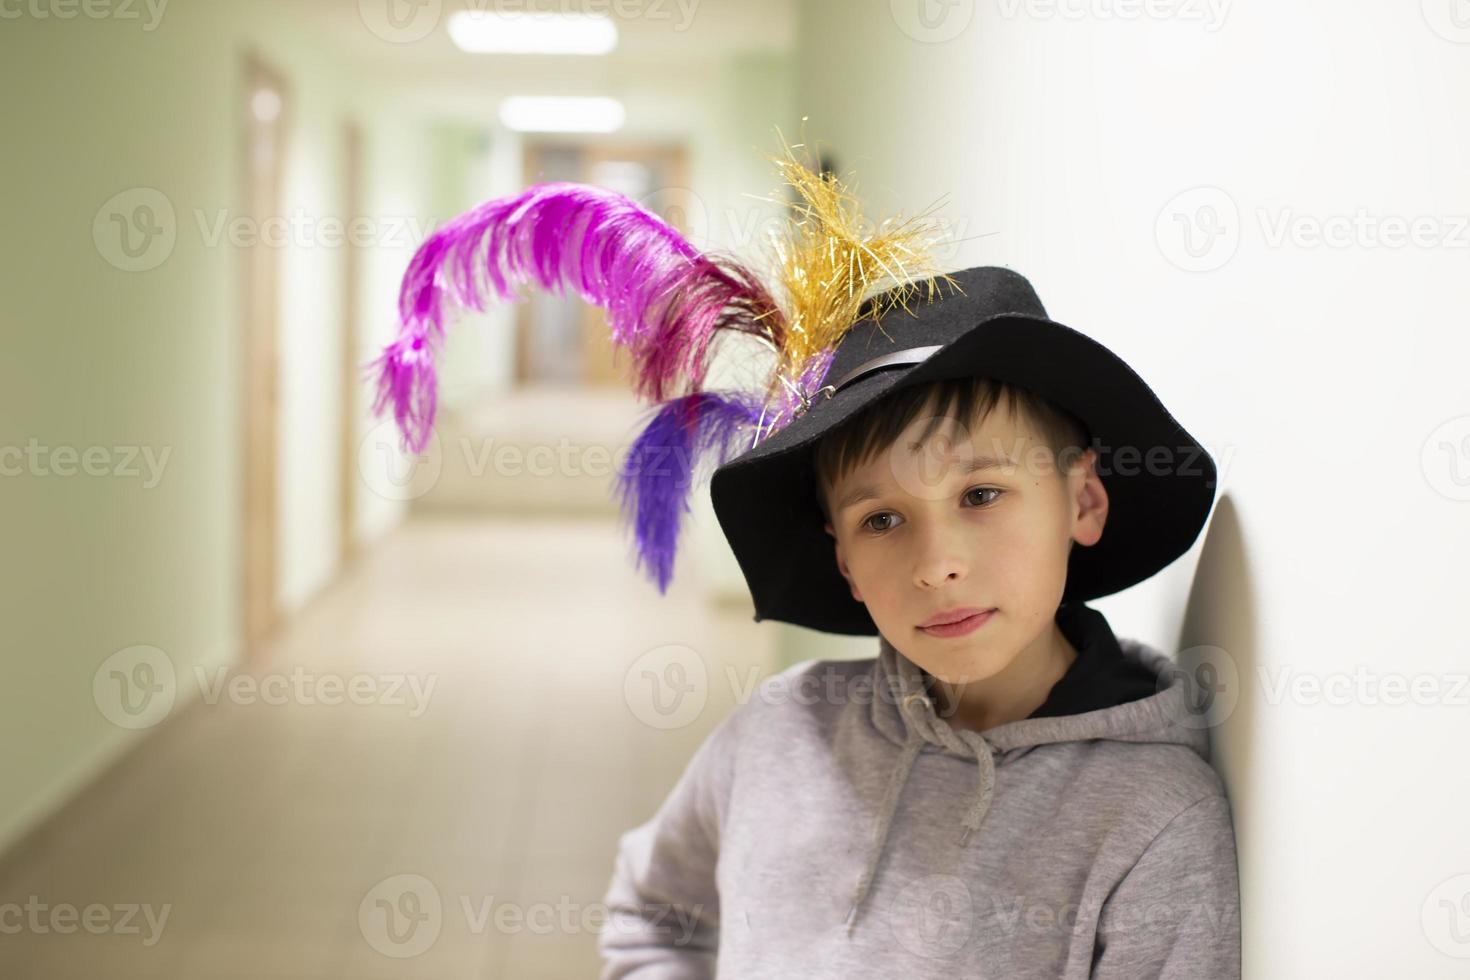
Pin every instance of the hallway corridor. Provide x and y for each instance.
(477, 788)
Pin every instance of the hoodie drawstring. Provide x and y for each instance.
(900, 775)
(984, 755)
(924, 728)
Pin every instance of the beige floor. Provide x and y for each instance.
(264, 827)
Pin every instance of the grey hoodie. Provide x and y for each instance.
(834, 825)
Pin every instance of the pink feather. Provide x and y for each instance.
(665, 300)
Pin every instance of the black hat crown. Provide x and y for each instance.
(901, 338)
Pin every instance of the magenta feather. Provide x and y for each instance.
(655, 483)
(665, 300)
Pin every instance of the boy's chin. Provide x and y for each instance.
(962, 664)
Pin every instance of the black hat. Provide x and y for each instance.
(1160, 481)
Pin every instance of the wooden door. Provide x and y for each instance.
(264, 115)
(656, 176)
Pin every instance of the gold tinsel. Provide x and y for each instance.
(828, 264)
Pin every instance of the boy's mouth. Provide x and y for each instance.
(956, 622)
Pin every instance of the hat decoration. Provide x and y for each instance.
(667, 303)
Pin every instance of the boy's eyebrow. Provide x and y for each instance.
(868, 491)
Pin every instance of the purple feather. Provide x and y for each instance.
(786, 403)
(665, 300)
(655, 483)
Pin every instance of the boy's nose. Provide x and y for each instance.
(938, 556)
(939, 570)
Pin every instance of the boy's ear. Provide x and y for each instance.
(1091, 499)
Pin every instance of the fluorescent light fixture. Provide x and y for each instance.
(526, 32)
(561, 114)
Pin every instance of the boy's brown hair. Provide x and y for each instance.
(858, 439)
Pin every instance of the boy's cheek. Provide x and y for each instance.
(878, 595)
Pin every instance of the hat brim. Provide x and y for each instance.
(1160, 481)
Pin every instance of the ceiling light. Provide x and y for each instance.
(524, 32)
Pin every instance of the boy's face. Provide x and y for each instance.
(935, 536)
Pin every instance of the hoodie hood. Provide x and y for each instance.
(903, 711)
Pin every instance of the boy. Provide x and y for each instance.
(1007, 789)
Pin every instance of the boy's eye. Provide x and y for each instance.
(868, 525)
(982, 490)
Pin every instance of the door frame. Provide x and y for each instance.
(351, 374)
(263, 149)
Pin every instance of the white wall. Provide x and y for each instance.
(101, 354)
(146, 360)
(1316, 374)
